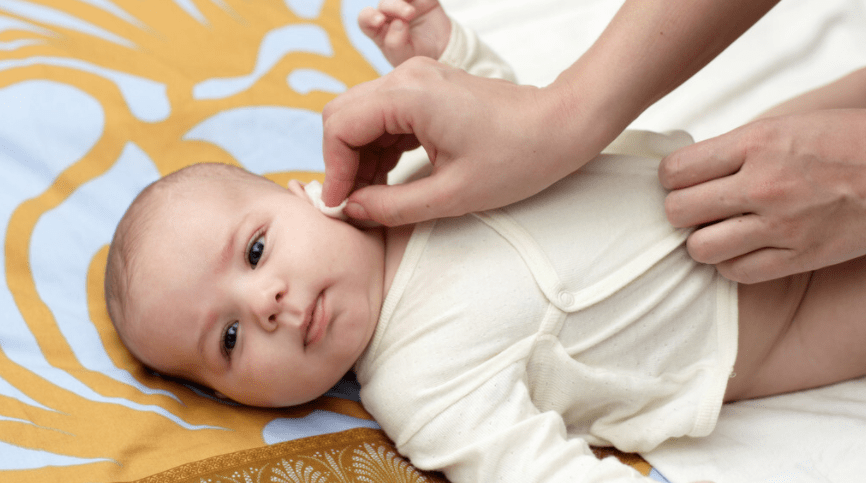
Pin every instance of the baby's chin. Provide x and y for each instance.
(281, 400)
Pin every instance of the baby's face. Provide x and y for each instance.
(255, 294)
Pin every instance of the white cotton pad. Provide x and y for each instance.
(314, 192)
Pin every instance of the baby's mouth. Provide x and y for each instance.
(316, 325)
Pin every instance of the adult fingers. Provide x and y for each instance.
(420, 200)
(387, 158)
(701, 162)
(348, 126)
(356, 94)
(388, 108)
(759, 266)
(710, 201)
(375, 163)
(741, 251)
(728, 239)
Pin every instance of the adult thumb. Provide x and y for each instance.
(402, 204)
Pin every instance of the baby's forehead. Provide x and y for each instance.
(208, 180)
(224, 191)
(195, 191)
(210, 176)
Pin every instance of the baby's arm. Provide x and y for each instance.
(493, 433)
(407, 28)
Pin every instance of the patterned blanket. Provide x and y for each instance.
(98, 98)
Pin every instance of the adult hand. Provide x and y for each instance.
(490, 142)
(780, 196)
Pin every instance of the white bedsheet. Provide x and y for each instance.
(816, 436)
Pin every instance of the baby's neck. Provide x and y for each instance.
(396, 240)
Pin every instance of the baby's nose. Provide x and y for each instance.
(268, 307)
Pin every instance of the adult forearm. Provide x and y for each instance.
(648, 49)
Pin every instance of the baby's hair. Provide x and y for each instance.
(140, 218)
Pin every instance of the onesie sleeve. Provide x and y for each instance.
(495, 433)
(466, 51)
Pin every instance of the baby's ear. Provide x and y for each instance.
(297, 188)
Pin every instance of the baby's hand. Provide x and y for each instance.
(406, 28)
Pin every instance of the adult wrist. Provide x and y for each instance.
(583, 115)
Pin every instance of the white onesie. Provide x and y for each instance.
(511, 339)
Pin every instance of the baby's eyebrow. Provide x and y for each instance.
(206, 329)
(226, 253)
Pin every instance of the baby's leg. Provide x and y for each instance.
(801, 332)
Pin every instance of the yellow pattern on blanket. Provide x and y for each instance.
(97, 99)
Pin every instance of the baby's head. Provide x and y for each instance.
(229, 280)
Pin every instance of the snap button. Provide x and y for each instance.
(566, 298)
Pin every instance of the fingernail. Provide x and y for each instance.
(356, 211)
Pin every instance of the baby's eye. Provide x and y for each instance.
(255, 251)
(230, 338)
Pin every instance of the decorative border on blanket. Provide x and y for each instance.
(356, 455)
(360, 454)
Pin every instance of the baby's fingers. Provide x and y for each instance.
(397, 45)
(397, 8)
(371, 22)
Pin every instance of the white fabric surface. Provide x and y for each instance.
(817, 436)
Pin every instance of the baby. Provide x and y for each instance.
(493, 346)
